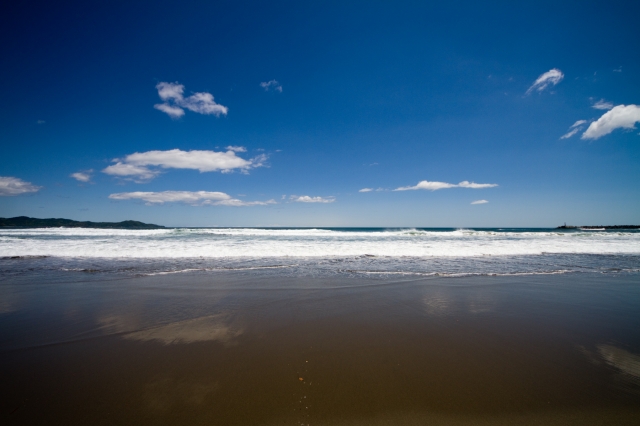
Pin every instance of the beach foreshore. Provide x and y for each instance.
(234, 348)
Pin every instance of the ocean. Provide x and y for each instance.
(303, 252)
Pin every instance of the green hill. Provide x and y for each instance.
(31, 222)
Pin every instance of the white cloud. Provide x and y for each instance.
(236, 148)
(575, 128)
(82, 176)
(473, 185)
(171, 111)
(136, 166)
(170, 91)
(366, 190)
(204, 161)
(602, 104)
(425, 184)
(131, 172)
(257, 161)
(15, 186)
(273, 84)
(194, 198)
(570, 133)
(174, 101)
(232, 202)
(434, 186)
(620, 117)
(479, 202)
(307, 199)
(203, 103)
(553, 77)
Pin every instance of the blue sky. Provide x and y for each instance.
(281, 113)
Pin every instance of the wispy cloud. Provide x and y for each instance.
(602, 104)
(139, 174)
(271, 85)
(551, 77)
(479, 202)
(84, 176)
(434, 186)
(40, 121)
(308, 199)
(366, 190)
(171, 111)
(194, 198)
(137, 166)
(428, 185)
(473, 185)
(175, 103)
(232, 202)
(575, 128)
(570, 133)
(10, 186)
(619, 117)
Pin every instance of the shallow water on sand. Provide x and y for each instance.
(236, 348)
(84, 269)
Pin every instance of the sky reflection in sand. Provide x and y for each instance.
(201, 329)
(625, 362)
(444, 302)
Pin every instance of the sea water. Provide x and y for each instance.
(421, 252)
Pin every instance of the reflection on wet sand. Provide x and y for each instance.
(203, 329)
(437, 304)
(626, 362)
(443, 302)
(206, 328)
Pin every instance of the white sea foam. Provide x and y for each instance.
(260, 243)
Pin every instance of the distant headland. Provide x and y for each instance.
(599, 227)
(32, 222)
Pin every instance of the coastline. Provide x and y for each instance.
(25, 222)
(230, 348)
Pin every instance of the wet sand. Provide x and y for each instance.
(226, 349)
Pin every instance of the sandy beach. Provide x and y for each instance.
(229, 348)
